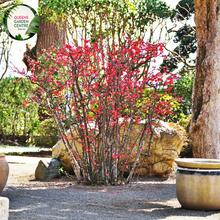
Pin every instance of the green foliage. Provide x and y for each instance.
(47, 134)
(171, 103)
(47, 128)
(106, 18)
(45, 141)
(184, 121)
(14, 116)
(147, 10)
(61, 171)
(17, 118)
(182, 88)
(174, 107)
(185, 9)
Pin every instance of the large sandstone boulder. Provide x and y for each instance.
(59, 151)
(166, 145)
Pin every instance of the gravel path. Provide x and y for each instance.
(150, 198)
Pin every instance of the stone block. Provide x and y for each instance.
(4, 208)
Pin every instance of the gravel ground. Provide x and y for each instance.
(150, 198)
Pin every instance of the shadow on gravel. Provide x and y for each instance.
(150, 201)
(163, 212)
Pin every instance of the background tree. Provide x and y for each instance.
(49, 33)
(184, 37)
(205, 126)
(181, 59)
(109, 20)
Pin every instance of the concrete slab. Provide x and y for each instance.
(4, 208)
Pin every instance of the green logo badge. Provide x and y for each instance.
(21, 22)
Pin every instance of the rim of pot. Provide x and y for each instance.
(198, 163)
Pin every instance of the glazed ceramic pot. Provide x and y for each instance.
(198, 183)
(4, 170)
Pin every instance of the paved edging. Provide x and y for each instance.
(4, 208)
(21, 149)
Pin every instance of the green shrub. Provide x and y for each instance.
(183, 88)
(47, 133)
(47, 128)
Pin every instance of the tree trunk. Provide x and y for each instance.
(48, 34)
(32, 137)
(13, 132)
(3, 136)
(205, 123)
(25, 124)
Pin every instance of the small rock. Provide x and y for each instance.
(53, 168)
(47, 170)
(41, 170)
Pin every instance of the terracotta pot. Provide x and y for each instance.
(4, 170)
(198, 183)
